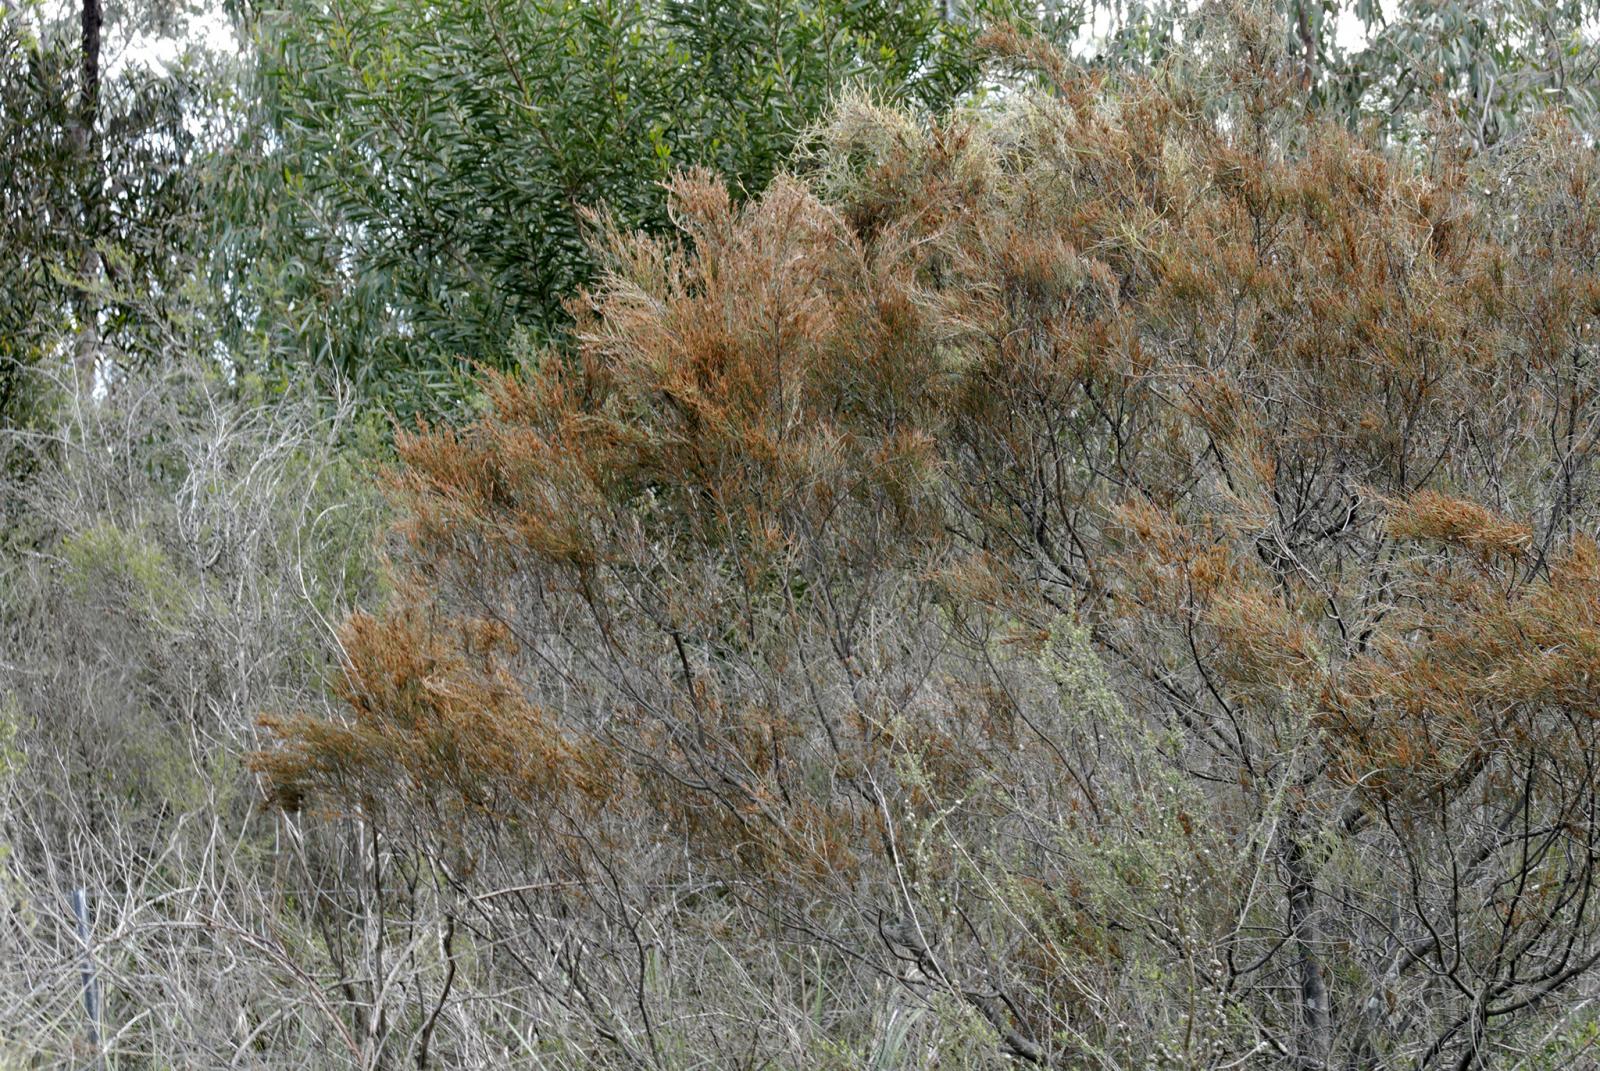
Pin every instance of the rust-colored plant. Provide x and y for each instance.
(1121, 562)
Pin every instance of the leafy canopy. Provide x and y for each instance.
(447, 150)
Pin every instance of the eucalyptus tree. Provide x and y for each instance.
(444, 156)
(103, 163)
(1490, 63)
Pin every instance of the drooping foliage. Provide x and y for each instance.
(1118, 562)
(447, 149)
(406, 181)
(1497, 64)
(116, 185)
(1493, 64)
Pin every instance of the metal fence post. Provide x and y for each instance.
(91, 991)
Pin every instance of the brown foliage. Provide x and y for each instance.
(436, 716)
(762, 580)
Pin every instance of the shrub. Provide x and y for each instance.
(1116, 562)
(185, 540)
(437, 157)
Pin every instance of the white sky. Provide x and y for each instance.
(209, 30)
(212, 31)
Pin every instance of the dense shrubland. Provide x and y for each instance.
(185, 549)
(1099, 573)
(1112, 571)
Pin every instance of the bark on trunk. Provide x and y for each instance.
(1308, 44)
(1315, 1036)
(88, 350)
(93, 19)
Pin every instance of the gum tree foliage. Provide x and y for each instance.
(410, 195)
(443, 152)
(1105, 580)
(388, 189)
(1493, 63)
(1497, 63)
(100, 202)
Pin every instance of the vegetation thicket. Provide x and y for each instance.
(667, 535)
(444, 152)
(1114, 569)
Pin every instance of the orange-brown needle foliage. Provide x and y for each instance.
(764, 587)
(436, 718)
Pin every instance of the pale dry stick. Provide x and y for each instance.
(286, 962)
(1023, 1047)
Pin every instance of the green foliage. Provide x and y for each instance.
(1492, 65)
(1569, 1044)
(934, 577)
(118, 572)
(441, 155)
(130, 193)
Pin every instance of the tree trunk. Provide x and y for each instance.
(1308, 44)
(87, 356)
(1314, 1039)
